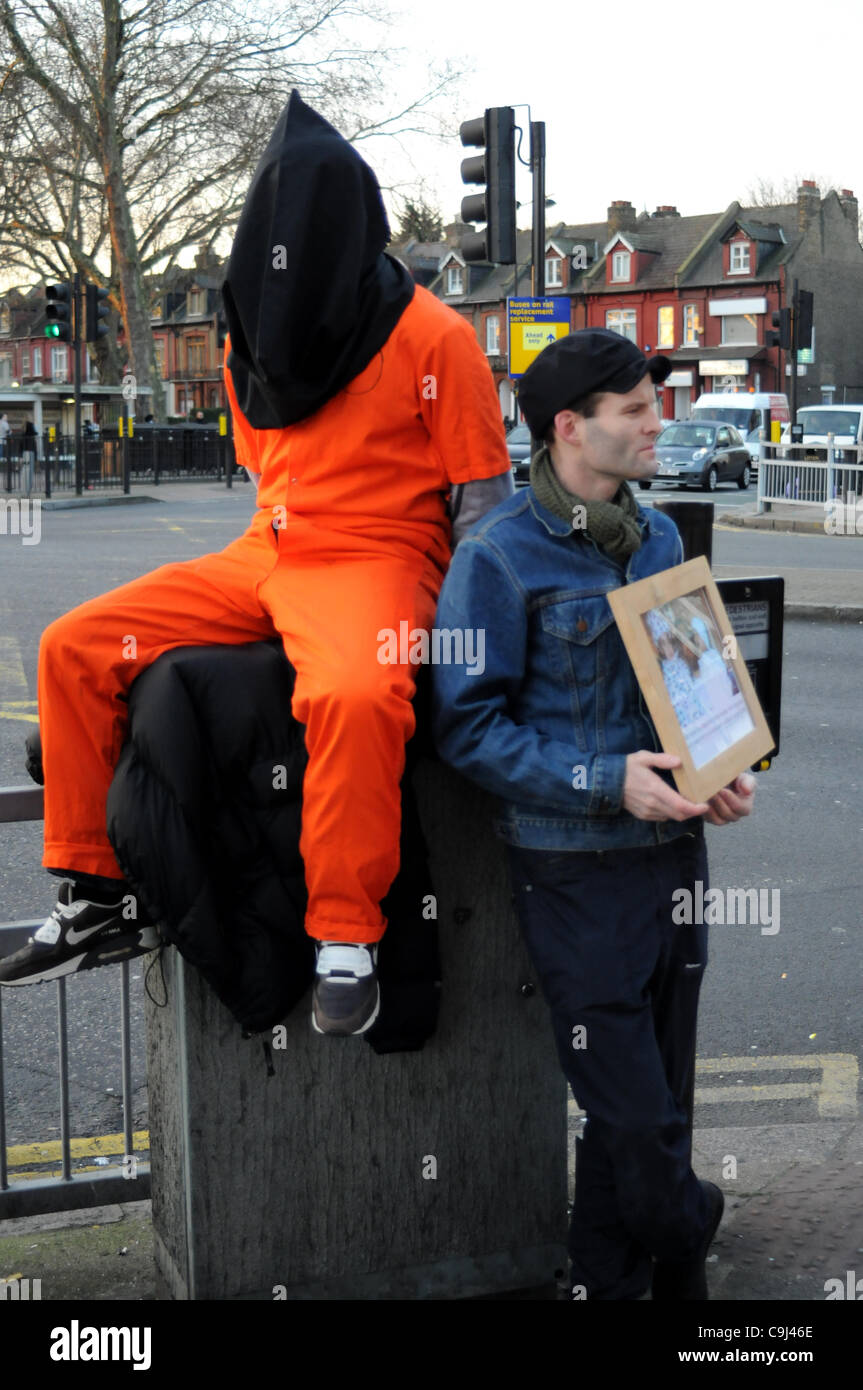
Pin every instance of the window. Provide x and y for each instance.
(553, 272)
(197, 301)
(492, 335)
(37, 361)
(5, 319)
(665, 326)
(622, 321)
(738, 260)
(159, 353)
(620, 265)
(454, 280)
(25, 362)
(196, 354)
(691, 325)
(156, 311)
(5, 368)
(59, 364)
(739, 328)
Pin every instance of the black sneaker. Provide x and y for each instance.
(685, 1281)
(346, 997)
(78, 935)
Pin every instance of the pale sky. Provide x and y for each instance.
(672, 103)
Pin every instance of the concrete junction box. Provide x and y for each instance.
(348, 1175)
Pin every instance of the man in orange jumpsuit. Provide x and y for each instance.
(360, 404)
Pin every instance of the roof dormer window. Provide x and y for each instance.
(553, 272)
(739, 258)
(454, 280)
(620, 265)
(197, 302)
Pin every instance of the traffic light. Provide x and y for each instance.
(496, 169)
(781, 320)
(95, 310)
(805, 301)
(58, 312)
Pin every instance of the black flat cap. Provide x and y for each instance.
(593, 359)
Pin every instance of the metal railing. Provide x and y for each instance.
(809, 475)
(70, 1191)
(154, 454)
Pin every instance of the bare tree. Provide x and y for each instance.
(129, 128)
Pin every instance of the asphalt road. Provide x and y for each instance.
(791, 995)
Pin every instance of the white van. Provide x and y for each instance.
(748, 411)
(844, 422)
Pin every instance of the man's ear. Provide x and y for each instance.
(568, 426)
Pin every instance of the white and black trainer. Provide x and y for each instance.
(78, 935)
(346, 996)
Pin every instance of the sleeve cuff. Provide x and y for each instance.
(609, 773)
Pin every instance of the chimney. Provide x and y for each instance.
(206, 258)
(808, 204)
(454, 230)
(621, 217)
(666, 210)
(848, 203)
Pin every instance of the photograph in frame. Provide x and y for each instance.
(694, 680)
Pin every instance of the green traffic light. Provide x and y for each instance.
(52, 330)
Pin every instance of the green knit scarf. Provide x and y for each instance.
(612, 525)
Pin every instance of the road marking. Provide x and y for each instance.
(50, 1150)
(836, 1091)
(13, 684)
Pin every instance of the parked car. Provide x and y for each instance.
(702, 453)
(518, 447)
(749, 412)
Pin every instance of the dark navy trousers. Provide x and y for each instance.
(622, 983)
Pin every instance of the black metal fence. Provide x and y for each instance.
(154, 454)
(127, 1178)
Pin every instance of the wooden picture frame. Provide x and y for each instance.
(694, 680)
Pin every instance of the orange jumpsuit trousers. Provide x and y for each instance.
(360, 544)
(358, 715)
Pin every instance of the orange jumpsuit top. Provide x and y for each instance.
(377, 461)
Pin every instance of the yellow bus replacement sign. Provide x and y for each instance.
(532, 325)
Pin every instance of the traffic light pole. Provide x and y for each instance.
(795, 307)
(537, 164)
(76, 353)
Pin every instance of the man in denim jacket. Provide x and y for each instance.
(553, 723)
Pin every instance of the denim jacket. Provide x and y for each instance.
(546, 718)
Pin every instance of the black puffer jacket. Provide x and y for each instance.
(211, 846)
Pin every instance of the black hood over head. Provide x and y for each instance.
(309, 294)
